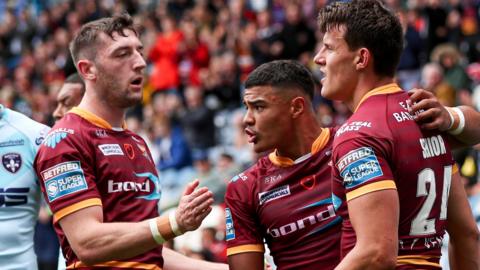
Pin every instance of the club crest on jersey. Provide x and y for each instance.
(359, 166)
(63, 179)
(230, 229)
(273, 194)
(308, 182)
(56, 136)
(129, 149)
(12, 162)
(41, 136)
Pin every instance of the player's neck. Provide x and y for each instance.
(301, 142)
(114, 116)
(365, 85)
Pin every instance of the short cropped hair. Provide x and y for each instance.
(282, 74)
(368, 24)
(84, 44)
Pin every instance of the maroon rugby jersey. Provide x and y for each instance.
(381, 147)
(84, 162)
(289, 204)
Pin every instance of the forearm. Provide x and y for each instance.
(471, 131)
(459, 259)
(177, 261)
(361, 257)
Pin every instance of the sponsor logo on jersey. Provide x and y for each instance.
(12, 162)
(138, 186)
(111, 149)
(274, 194)
(129, 149)
(433, 146)
(56, 136)
(64, 179)
(13, 196)
(241, 176)
(101, 133)
(402, 116)
(352, 126)
(230, 230)
(12, 143)
(272, 179)
(359, 166)
(41, 136)
(309, 221)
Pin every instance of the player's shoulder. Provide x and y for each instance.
(34, 131)
(66, 129)
(247, 178)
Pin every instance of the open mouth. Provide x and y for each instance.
(252, 136)
(137, 82)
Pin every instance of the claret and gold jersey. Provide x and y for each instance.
(85, 162)
(382, 147)
(290, 205)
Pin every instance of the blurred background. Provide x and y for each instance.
(199, 52)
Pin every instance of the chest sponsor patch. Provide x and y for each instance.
(63, 179)
(10, 143)
(359, 166)
(274, 194)
(230, 230)
(111, 149)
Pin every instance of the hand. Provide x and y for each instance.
(194, 206)
(428, 111)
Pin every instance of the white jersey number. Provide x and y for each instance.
(421, 225)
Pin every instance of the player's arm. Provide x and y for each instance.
(464, 249)
(177, 261)
(94, 241)
(248, 260)
(433, 115)
(374, 216)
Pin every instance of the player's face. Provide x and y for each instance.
(337, 63)
(120, 66)
(69, 96)
(267, 120)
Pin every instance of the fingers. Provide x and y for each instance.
(422, 105)
(418, 94)
(191, 187)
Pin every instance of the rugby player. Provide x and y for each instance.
(395, 179)
(69, 95)
(20, 195)
(98, 177)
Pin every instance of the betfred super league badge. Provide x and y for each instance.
(12, 162)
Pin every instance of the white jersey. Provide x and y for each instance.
(20, 193)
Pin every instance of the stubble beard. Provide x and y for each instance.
(111, 92)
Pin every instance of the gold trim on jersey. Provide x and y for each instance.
(382, 90)
(135, 265)
(455, 169)
(376, 186)
(417, 260)
(75, 207)
(245, 248)
(317, 146)
(93, 118)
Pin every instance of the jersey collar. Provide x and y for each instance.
(317, 146)
(94, 119)
(382, 90)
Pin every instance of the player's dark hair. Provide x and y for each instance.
(84, 44)
(282, 74)
(369, 24)
(75, 79)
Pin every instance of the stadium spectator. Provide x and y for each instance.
(433, 81)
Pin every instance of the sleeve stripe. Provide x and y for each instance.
(455, 168)
(117, 264)
(417, 260)
(376, 186)
(245, 248)
(75, 207)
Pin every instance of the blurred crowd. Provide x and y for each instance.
(200, 51)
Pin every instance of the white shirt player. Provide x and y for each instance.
(20, 193)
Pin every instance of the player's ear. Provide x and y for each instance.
(87, 69)
(362, 58)
(297, 106)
